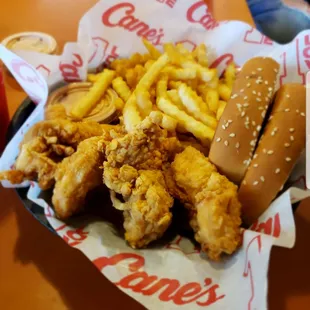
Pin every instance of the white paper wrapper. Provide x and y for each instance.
(176, 275)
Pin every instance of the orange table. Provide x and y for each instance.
(37, 269)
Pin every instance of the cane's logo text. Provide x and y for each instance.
(168, 290)
(122, 15)
(198, 13)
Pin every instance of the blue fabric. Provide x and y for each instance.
(278, 21)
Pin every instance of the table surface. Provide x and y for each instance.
(37, 269)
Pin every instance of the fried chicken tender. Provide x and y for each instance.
(212, 201)
(133, 169)
(63, 131)
(33, 162)
(147, 147)
(13, 176)
(121, 179)
(76, 175)
(46, 144)
(146, 209)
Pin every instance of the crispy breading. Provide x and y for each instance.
(147, 147)
(13, 176)
(146, 209)
(64, 131)
(212, 200)
(46, 144)
(33, 162)
(133, 169)
(76, 175)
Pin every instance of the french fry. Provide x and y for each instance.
(161, 86)
(198, 129)
(175, 98)
(174, 55)
(230, 75)
(224, 91)
(154, 52)
(196, 106)
(212, 98)
(154, 107)
(83, 106)
(152, 91)
(181, 49)
(205, 74)
(121, 88)
(135, 59)
(131, 114)
(200, 53)
(220, 110)
(163, 120)
(144, 58)
(214, 83)
(148, 64)
(152, 73)
(92, 77)
(156, 117)
(174, 84)
(139, 59)
(193, 84)
(143, 102)
(169, 123)
(121, 66)
(140, 71)
(119, 104)
(202, 90)
(120, 62)
(115, 99)
(180, 74)
(131, 78)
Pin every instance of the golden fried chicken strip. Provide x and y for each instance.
(76, 176)
(121, 180)
(33, 162)
(13, 176)
(62, 131)
(146, 209)
(147, 147)
(133, 169)
(46, 144)
(212, 200)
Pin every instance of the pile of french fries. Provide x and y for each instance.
(176, 88)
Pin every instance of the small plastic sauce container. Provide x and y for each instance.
(103, 112)
(31, 41)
